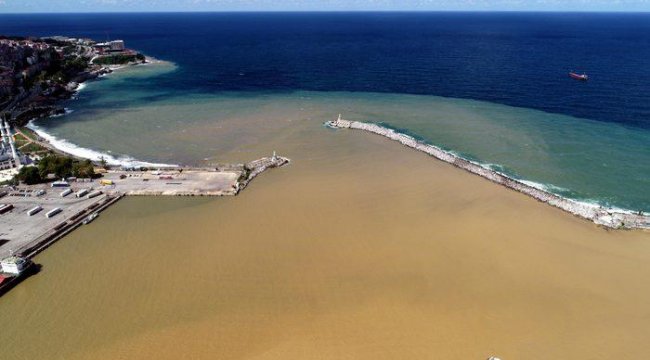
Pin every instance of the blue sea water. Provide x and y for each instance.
(518, 59)
(515, 59)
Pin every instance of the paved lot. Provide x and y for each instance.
(19, 228)
(188, 182)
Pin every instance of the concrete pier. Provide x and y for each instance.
(610, 218)
(26, 236)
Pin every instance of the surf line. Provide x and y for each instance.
(607, 217)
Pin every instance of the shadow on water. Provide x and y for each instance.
(9, 284)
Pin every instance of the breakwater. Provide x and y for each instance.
(607, 217)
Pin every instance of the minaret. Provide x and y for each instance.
(3, 138)
(12, 145)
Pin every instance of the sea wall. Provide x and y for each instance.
(610, 218)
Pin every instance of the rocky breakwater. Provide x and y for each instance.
(256, 167)
(607, 217)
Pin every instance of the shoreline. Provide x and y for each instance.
(607, 217)
(75, 150)
(29, 238)
(69, 148)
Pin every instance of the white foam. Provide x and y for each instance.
(94, 155)
(591, 210)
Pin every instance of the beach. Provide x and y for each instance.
(361, 248)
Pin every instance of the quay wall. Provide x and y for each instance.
(59, 231)
(610, 218)
(248, 172)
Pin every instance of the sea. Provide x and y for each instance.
(360, 248)
(492, 87)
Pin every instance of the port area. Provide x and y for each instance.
(34, 217)
(25, 235)
(221, 180)
(182, 182)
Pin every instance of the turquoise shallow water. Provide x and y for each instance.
(125, 116)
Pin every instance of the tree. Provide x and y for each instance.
(29, 175)
(60, 166)
(103, 163)
(83, 169)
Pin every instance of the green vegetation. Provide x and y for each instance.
(103, 163)
(32, 148)
(20, 141)
(59, 166)
(118, 59)
(74, 65)
(28, 133)
(63, 71)
(29, 175)
(11, 182)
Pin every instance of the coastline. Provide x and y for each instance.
(72, 149)
(69, 148)
(608, 217)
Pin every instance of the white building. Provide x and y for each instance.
(9, 157)
(6, 161)
(116, 45)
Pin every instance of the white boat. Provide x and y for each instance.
(14, 265)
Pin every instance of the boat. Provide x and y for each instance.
(13, 270)
(90, 218)
(14, 265)
(576, 76)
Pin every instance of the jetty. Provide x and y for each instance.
(34, 217)
(606, 217)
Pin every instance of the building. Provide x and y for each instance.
(116, 45)
(9, 157)
(110, 46)
(6, 161)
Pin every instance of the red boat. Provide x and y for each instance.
(582, 77)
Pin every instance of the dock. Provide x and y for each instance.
(606, 217)
(67, 208)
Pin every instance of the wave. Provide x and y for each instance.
(551, 188)
(66, 112)
(601, 214)
(94, 155)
